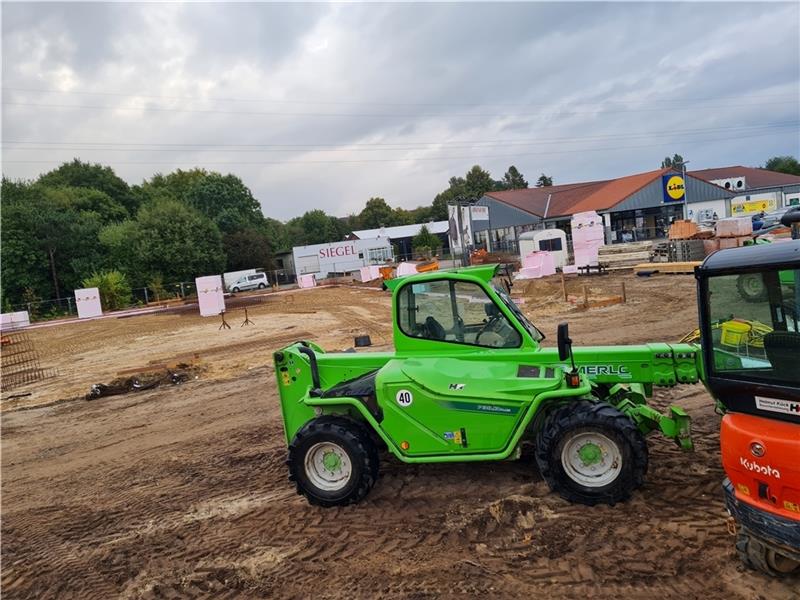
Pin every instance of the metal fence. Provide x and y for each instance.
(54, 308)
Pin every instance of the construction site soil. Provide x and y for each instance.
(182, 491)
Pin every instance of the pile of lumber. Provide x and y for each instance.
(624, 256)
(668, 267)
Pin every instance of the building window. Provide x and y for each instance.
(552, 245)
(378, 256)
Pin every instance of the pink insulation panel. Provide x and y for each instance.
(210, 295)
(307, 281)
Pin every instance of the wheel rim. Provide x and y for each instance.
(591, 459)
(752, 285)
(328, 466)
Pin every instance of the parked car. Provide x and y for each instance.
(250, 282)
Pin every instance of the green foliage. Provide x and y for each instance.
(115, 291)
(544, 181)
(277, 235)
(477, 182)
(426, 242)
(676, 162)
(93, 176)
(247, 249)
(513, 179)
(377, 213)
(783, 164)
(315, 227)
(176, 241)
(156, 287)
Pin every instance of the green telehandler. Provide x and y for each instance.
(470, 381)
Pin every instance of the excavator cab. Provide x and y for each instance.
(751, 355)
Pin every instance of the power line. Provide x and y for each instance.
(390, 160)
(345, 148)
(364, 146)
(373, 115)
(372, 103)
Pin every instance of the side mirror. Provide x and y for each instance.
(564, 342)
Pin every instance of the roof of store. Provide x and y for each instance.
(402, 231)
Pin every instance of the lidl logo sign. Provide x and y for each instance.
(674, 188)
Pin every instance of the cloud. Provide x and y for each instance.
(325, 105)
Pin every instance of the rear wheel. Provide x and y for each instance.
(751, 287)
(333, 461)
(760, 556)
(261, 286)
(591, 453)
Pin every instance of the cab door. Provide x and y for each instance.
(455, 385)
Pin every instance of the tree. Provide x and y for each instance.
(513, 179)
(94, 176)
(175, 241)
(314, 227)
(89, 200)
(425, 242)
(676, 162)
(277, 234)
(783, 164)
(48, 242)
(226, 201)
(477, 182)
(247, 249)
(544, 181)
(377, 213)
(115, 291)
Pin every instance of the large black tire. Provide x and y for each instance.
(235, 290)
(355, 461)
(751, 287)
(614, 459)
(757, 555)
(261, 286)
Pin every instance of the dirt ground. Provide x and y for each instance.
(181, 491)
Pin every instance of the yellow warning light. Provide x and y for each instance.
(405, 445)
(743, 488)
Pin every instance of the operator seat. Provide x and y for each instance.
(435, 329)
(783, 352)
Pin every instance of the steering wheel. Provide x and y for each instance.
(435, 329)
(491, 332)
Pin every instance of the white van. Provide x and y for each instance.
(250, 282)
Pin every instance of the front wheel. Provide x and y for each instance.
(333, 461)
(751, 287)
(591, 453)
(235, 290)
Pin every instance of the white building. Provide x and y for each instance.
(341, 257)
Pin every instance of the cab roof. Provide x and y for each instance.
(785, 254)
(483, 272)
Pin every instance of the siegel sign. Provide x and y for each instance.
(337, 251)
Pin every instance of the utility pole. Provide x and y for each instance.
(685, 190)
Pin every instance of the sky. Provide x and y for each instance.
(327, 105)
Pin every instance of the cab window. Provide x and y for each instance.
(459, 312)
(754, 325)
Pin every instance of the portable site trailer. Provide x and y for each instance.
(550, 240)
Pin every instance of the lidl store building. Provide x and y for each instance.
(635, 207)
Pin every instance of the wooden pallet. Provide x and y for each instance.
(668, 267)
